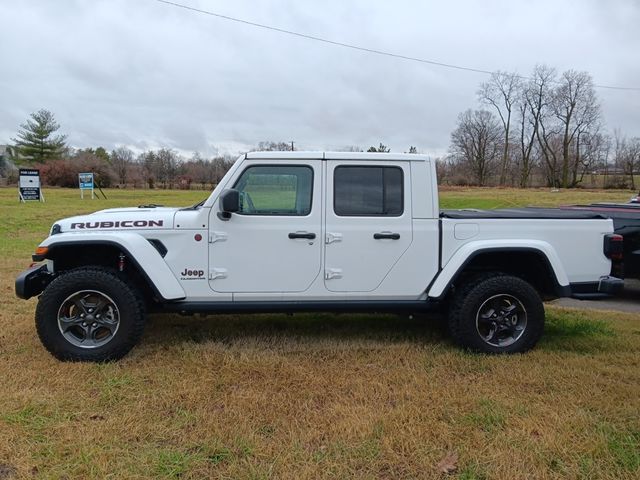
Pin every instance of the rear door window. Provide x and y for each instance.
(368, 191)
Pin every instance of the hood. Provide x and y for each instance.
(132, 218)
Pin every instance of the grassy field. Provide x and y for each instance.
(314, 396)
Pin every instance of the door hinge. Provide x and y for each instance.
(332, 237)
(217, 273)
(217, 237)
(331, 273)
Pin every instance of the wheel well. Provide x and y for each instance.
(531, 266)
(68, 257)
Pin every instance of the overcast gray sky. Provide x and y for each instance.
(147, 75)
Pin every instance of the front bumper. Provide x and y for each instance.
(32, 281)
(605, 287)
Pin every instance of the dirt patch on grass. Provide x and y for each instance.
(7, 471)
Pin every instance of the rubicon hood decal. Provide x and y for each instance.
(118, 224)
(119, 220)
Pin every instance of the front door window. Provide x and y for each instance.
(276, 190)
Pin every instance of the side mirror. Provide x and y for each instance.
(229, 203)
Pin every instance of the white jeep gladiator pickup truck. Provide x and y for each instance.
(309, 231)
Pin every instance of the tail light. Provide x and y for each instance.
(613, 246)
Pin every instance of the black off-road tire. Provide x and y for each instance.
(471, 295)
(107, 281)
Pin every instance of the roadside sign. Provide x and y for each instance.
(86, 183)
(29, 185)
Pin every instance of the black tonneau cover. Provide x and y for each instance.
(524, 213)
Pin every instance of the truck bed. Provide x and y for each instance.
(625, 217)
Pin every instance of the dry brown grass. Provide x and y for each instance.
(317, 396)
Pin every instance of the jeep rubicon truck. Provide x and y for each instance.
(309, 231)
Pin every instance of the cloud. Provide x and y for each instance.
(147, 75)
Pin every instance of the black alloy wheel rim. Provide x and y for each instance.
(88, 319)
(501, 320)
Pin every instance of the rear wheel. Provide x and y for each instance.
(89, 314)
(496, 314)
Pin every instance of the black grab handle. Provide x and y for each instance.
(390, 236)
(309, 236)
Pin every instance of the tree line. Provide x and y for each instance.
(544, 129)
(37, 144)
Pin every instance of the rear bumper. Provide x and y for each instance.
(605, 287)
(32, 281)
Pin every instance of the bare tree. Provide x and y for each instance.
(549, 126)
(168, 164)
(584, 143)
(477, 142)
(576, 107)
(550, 147)
(86, 160)
(149, 169)
(594, 151)
(135, 175)
(220, 166)
(501, 92)
(121, 159)
(534, 98)
(633, 159)
(626, 157)
(269, 146)
(197, 170)
(442, 170)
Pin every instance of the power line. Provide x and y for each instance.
(357, 47)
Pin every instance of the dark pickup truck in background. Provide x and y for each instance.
(626, 222)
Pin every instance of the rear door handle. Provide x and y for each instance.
(386, 235)
(307, 235)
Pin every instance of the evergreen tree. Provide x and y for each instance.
(381, 149)
(102, 154)
(35, 140)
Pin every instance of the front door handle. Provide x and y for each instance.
(307, 235)
(386, 235)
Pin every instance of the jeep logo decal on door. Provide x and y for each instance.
(188, 274)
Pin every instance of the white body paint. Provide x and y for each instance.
(251, 258)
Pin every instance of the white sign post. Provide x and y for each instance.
(86, 183)
(29, 185)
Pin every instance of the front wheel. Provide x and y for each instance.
(496, 314)
(89, 314)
